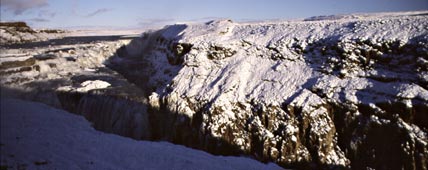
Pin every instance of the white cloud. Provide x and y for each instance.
(39, 20)
(46, 13)
(20, 6)
(98, 11)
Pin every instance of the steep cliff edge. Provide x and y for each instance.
(346, 93)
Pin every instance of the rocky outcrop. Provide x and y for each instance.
(20, 32)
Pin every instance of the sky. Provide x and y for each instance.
(152, 13)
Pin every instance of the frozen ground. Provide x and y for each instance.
(37, 136)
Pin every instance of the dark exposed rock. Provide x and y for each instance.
(219, 53)
(179, 50)
(14, 64)
(45, 56)
(18, 26)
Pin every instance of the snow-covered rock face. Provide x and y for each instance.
(347, 92)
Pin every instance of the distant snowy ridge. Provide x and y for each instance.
(364, 15)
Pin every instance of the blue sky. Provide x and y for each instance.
(148, 13)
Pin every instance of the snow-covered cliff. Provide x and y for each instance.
(329, 93)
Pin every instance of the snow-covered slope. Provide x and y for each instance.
(37, 136)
